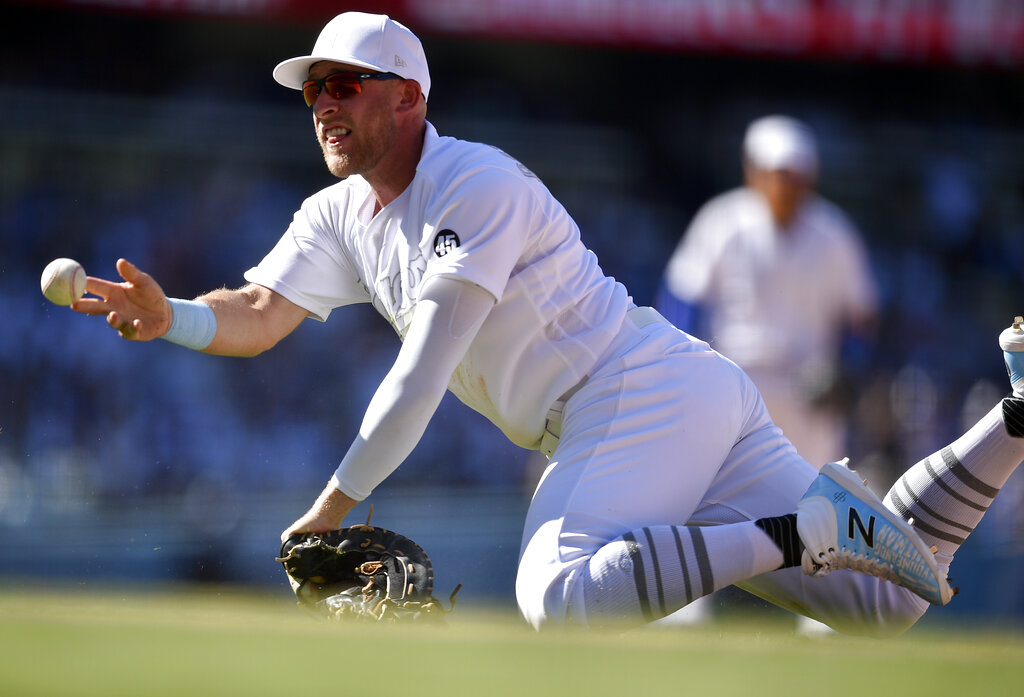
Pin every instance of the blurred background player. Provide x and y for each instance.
(776, 277)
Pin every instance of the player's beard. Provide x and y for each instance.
(371, 142)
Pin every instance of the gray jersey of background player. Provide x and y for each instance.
(667, 479)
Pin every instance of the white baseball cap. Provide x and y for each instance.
(374, 42)
(781, 142)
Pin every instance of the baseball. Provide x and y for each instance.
(63, 281)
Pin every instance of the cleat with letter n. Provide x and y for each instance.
(844, 525)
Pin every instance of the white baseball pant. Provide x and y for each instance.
(667, 432)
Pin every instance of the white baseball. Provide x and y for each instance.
(63, 281)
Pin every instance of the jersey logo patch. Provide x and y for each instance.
(446, 241)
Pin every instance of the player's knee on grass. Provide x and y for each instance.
(598, 590)
(542, 599)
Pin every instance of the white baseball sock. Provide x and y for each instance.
(948, 493)
(650, 573)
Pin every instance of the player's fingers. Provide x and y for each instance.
(299, 526)
(312, 522)
(91, 306)
(288, 533)
(130, 272)
(297, 532)
(101, 287)
(125, 268)
(302, 525)
(127, 330)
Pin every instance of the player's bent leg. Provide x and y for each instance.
(633, 454)
(604, 536)
(570, 576)
(651, 573)
(639, 577)
(763, 476)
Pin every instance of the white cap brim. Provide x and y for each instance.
(373, 42)
(295, 71)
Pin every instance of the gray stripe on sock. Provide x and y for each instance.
(961, 473)
(657, 571)
(935, 477)
(683, 565)
(906, 513)
(639, 577)
(700, 551)
(918, 504)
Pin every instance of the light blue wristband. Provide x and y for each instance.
(193, 324)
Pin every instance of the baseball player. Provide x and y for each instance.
(777, 275)
(667, 478)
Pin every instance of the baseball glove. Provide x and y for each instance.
(363, 573)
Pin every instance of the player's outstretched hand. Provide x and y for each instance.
(325, 515)
(137, 308)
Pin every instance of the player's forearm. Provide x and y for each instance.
(250, 320)
(394, 423)
(449, 314)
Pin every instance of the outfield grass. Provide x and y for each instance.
(221, 642)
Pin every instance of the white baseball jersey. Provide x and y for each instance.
(776, 299)
(475, 214)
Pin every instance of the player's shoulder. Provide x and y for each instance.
(339, 190)
(351, 187)
(828, 217)
(336, 202)
(732, 202)
(736, 198)
(728, 212)
(448, 161)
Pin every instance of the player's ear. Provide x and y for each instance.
(410, 95)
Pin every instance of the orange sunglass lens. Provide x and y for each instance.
(338, 86)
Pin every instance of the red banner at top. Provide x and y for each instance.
(970, 32)
(958, 31)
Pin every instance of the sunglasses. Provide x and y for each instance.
(341, 84)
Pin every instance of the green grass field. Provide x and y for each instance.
(224, 642)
